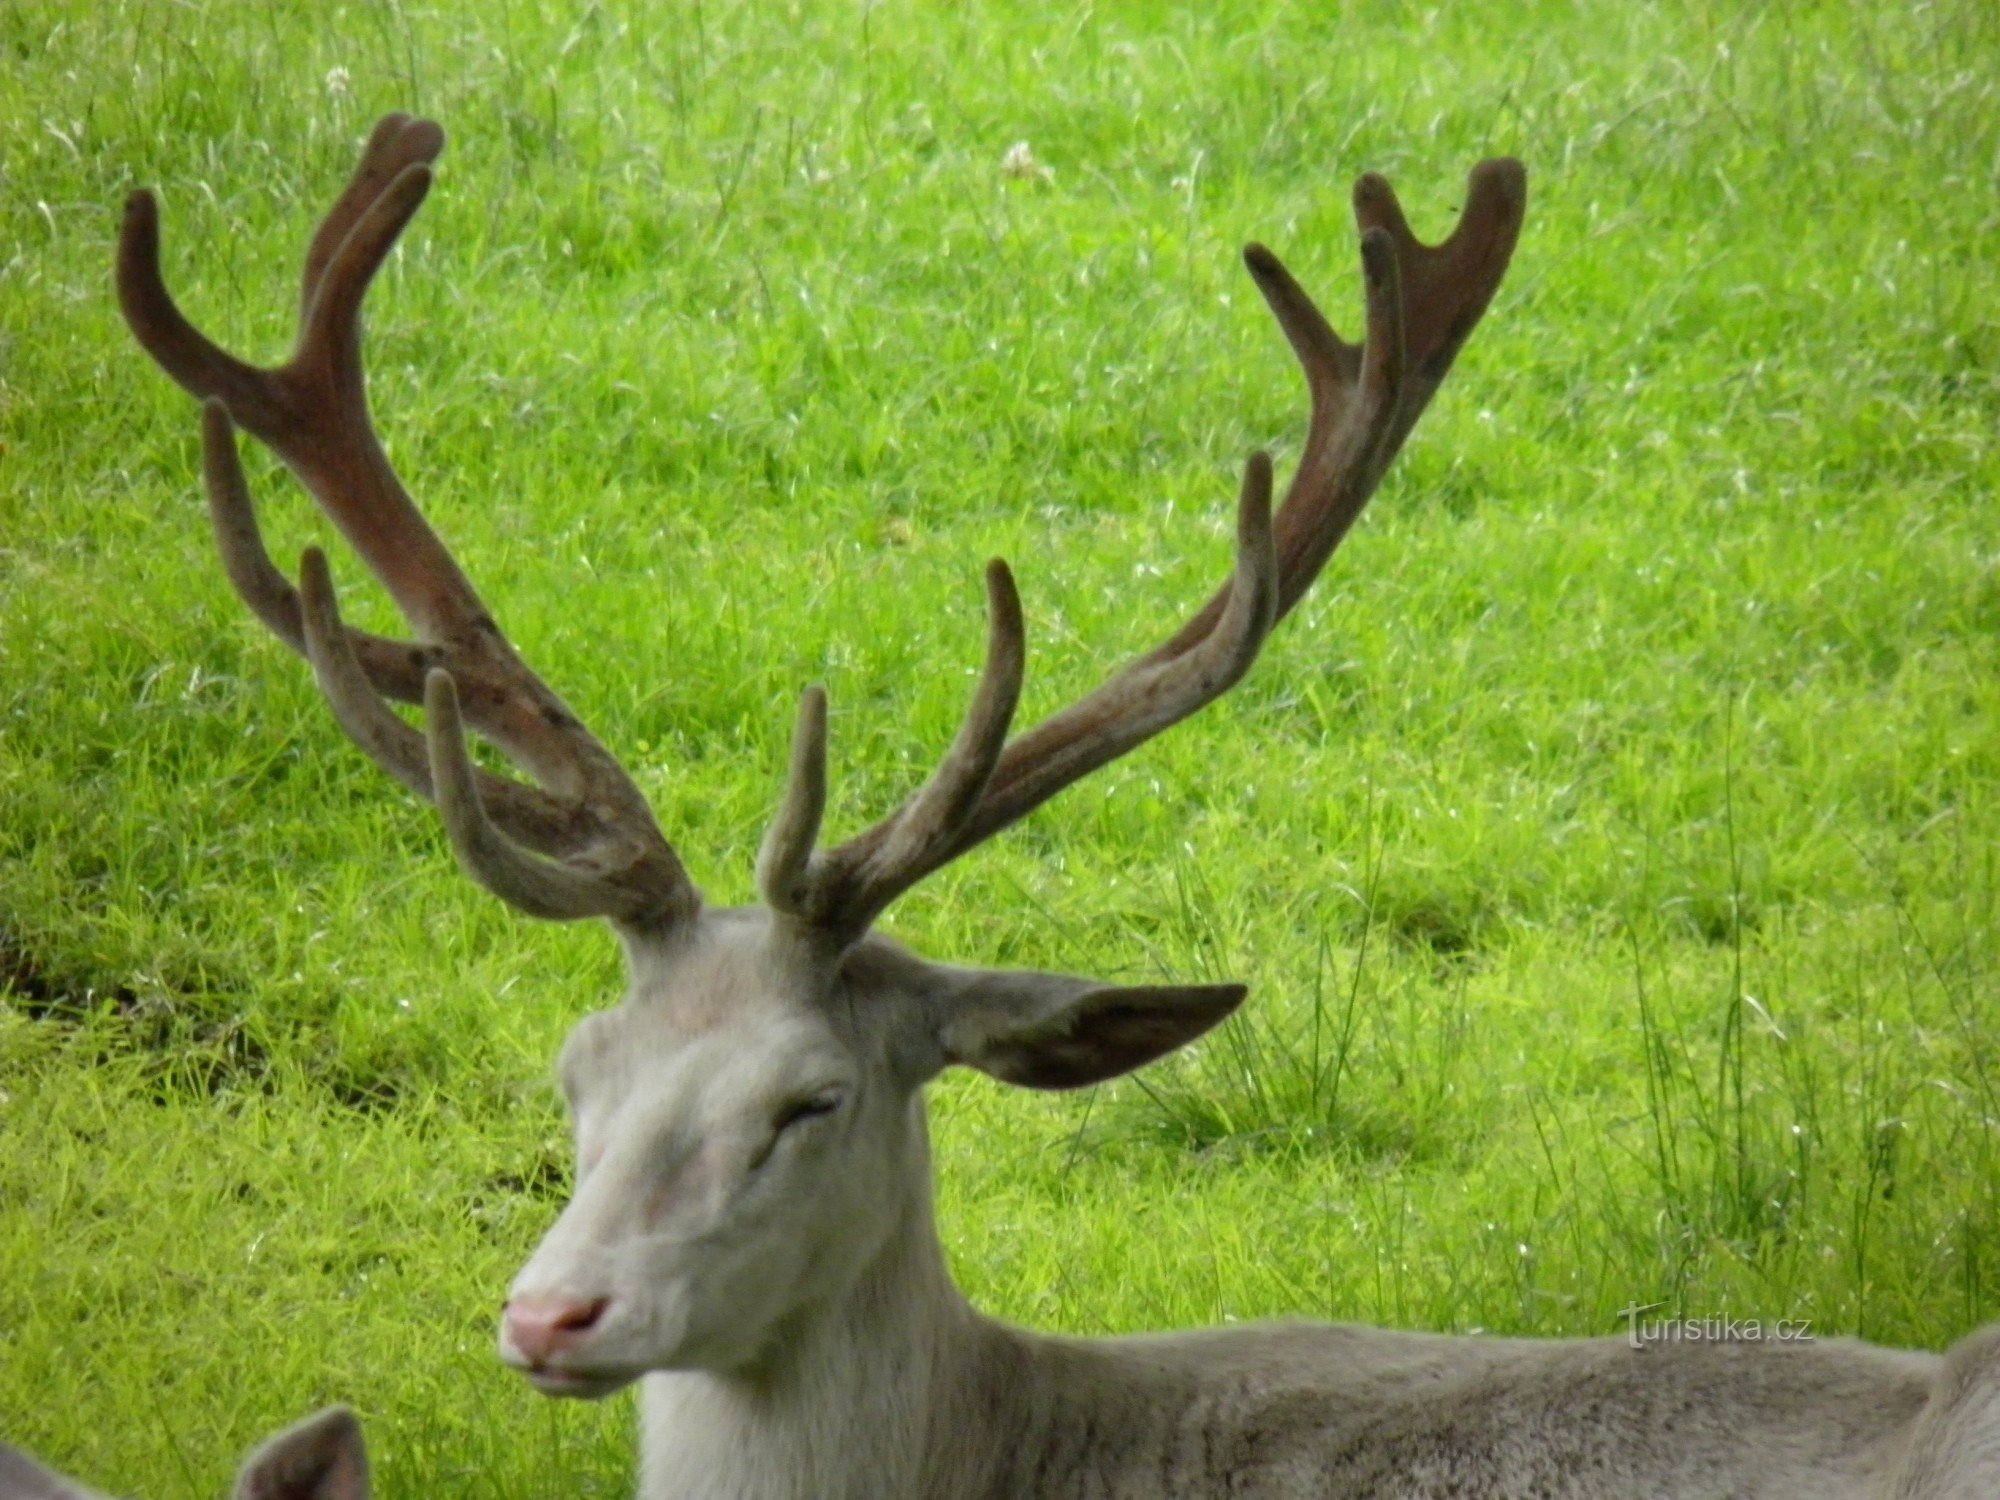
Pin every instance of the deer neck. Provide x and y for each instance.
(859, 1397)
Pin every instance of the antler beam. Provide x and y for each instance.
(1423, 301)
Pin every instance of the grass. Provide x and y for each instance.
(1609, 842)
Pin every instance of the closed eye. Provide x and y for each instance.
(800, 1110)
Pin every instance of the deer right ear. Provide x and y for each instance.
(321, 1458)
(1049, 1031)
(21, 1478)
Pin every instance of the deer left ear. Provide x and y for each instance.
(1048, 1031)
(321, 1458)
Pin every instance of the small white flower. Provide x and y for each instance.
(337, 81)
(1020, 162)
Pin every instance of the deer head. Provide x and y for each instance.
(748, 1120)
(321, 1458)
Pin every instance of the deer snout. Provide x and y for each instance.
(539, 1328)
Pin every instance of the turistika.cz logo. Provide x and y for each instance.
(1641, 1330)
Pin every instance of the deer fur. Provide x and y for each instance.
(750, 1239)
(321, 1458)
(794, 1331)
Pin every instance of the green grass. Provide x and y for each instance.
(1609, 842)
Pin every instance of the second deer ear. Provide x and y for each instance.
(1048, 1031)
(321, 1458)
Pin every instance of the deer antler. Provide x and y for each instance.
(581, 843)
(1422, 303)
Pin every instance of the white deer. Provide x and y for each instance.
(321, 1458)
(751, 1234)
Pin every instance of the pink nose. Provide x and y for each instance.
(542, 1327)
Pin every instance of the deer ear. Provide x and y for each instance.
(1047, 1031)
(321, 1458)
(21, 1478)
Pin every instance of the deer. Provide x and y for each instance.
(750, 1238)
(323, 1457)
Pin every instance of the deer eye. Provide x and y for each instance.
(813, 1107)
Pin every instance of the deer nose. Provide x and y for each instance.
(542, 1327)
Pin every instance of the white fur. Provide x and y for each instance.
(321, 1458)
(783, 1299)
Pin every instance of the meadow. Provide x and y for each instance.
(1609, 842)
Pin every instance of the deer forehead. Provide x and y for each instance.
(718, 1025)
(637, 1054)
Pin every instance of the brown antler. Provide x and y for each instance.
(583, 842)
(1422, 303)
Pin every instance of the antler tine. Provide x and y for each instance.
(587, 815)
(1157, 691)
(845, 889)
(784, 862)
(394, 668)
(539, 887)
(929, 818)
(396, 142)
(183, 351)
(526, 813)
(1422, 303)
